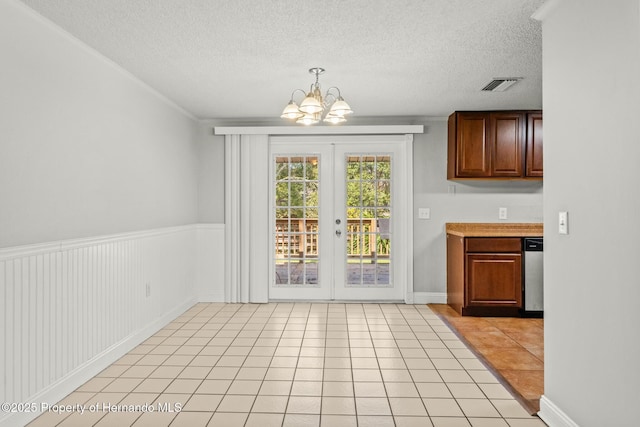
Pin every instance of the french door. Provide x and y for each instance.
(336, 212)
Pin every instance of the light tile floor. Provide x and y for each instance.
(297, 364)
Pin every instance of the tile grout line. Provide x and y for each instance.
(427, 356)
(324, 354)
(378, 361)
(445, 382)
(127, 394)
(156, 367)
(250, 322)
(185, 367)
(272, 356)
(488, 366)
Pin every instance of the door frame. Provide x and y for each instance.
(403, 191)
(246, 187)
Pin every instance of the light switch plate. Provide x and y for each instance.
(563, 222)
(424, 213)
(502, 213)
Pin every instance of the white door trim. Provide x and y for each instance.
(408, 223)
(246, 229)
(319, 130)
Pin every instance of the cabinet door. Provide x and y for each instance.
(534, 145)
(473, 154)
(506, 136)
(494, 280)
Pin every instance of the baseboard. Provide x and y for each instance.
(554, 416)
(429, 297)
(60, 389)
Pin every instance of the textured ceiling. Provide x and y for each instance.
(241, 59)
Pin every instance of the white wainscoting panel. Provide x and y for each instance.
(210, 262)
(78, 305)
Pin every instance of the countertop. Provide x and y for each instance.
(495, 229)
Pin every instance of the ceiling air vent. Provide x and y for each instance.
(501, 84)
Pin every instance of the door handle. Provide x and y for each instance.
(338, 233)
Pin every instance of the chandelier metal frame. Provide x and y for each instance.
(314, 105)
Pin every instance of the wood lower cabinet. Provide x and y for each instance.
(494, 280)
(484, 275)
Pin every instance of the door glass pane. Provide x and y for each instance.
(368, 205)
(296, 185)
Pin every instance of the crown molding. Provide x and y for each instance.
(545, 10)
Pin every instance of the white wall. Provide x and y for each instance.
(88, 153)
(456, 201)
(210, 175)
(85, 149)
(591, 57)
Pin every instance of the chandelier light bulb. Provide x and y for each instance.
(309, 119)
(291, 111)
(340, 108)
(310, 105)
(334, 119)
(314, 105)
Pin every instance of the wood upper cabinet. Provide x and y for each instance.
(506, 132)
(534, 145)
(495, 145)
(472, 150)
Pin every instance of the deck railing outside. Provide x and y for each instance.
(298, 237)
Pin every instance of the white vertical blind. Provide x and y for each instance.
(246, 218)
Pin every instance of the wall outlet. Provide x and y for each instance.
(563, 223)
(502, 213)
(424, 213)
(148, 289)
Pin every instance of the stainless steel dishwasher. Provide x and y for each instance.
(533, 277)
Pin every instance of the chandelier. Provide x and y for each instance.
(313, 107)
